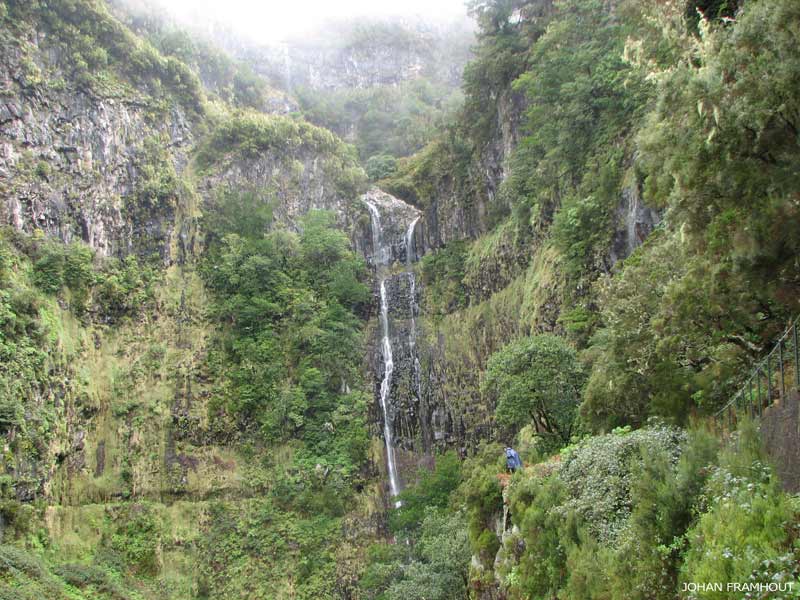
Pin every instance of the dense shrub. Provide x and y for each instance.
(536, 380)
(431, 490)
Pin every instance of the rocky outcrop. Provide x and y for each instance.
(72, 161)
(463, 194)
(291, 185)
(634, 222)
(363, 54)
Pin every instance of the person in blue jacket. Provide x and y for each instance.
(513, 461)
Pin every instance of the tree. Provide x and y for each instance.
(536, 379)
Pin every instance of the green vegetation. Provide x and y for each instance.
(230, 81)
(195, 424)
(245, 134)
(649, 494)
(286, 356)
(736, 281)
(432, 564)
(387, 120)
(536, 380)
(443, 275)
(44, 285)
(101, 54)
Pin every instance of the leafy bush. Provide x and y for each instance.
(434, 569)
(536, 379)
(748, 530)
(599, 473)
(136, 537)
(443, 275)
(380, 166)
(431, 490)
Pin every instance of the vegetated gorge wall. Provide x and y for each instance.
(79, 164)
(76, 162)
(70, 159)
(512, 292)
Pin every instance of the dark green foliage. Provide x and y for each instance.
(136, 538)
(432, 489)
(711, 10)
(500, 57)
(720, 151)
(443, 275)
(536, 380)
(483, 497)
(583, 102)
(290, 346)
(380, 166)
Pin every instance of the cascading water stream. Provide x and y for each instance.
(412, 334)
(380, 258)
(287, 67)
(388, 364)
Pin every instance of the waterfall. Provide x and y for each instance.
(287, 66)
(413, 308)
(380, 257)
(388, 364)
(393, 223)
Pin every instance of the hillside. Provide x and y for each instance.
(266, 326)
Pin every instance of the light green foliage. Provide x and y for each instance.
(231, 81)
(255, 550)
(96, 49)
(536, 379)
(432, 490)
(598, 475)
(626, 515)
(749, 529)
(136, 538)
(387, 120)
(432, 567)
(44, 286)
(443, 275)
(247, 134)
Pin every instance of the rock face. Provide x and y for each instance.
(635, 222)
(461, 203)
(394, 360)
(72, 162)
(293, 185)
(115, 167)
(364, 54)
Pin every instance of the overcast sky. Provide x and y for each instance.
(274, 20)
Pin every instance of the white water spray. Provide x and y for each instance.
(380, 257)
(412, 334)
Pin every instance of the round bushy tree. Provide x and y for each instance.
(536, 379)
